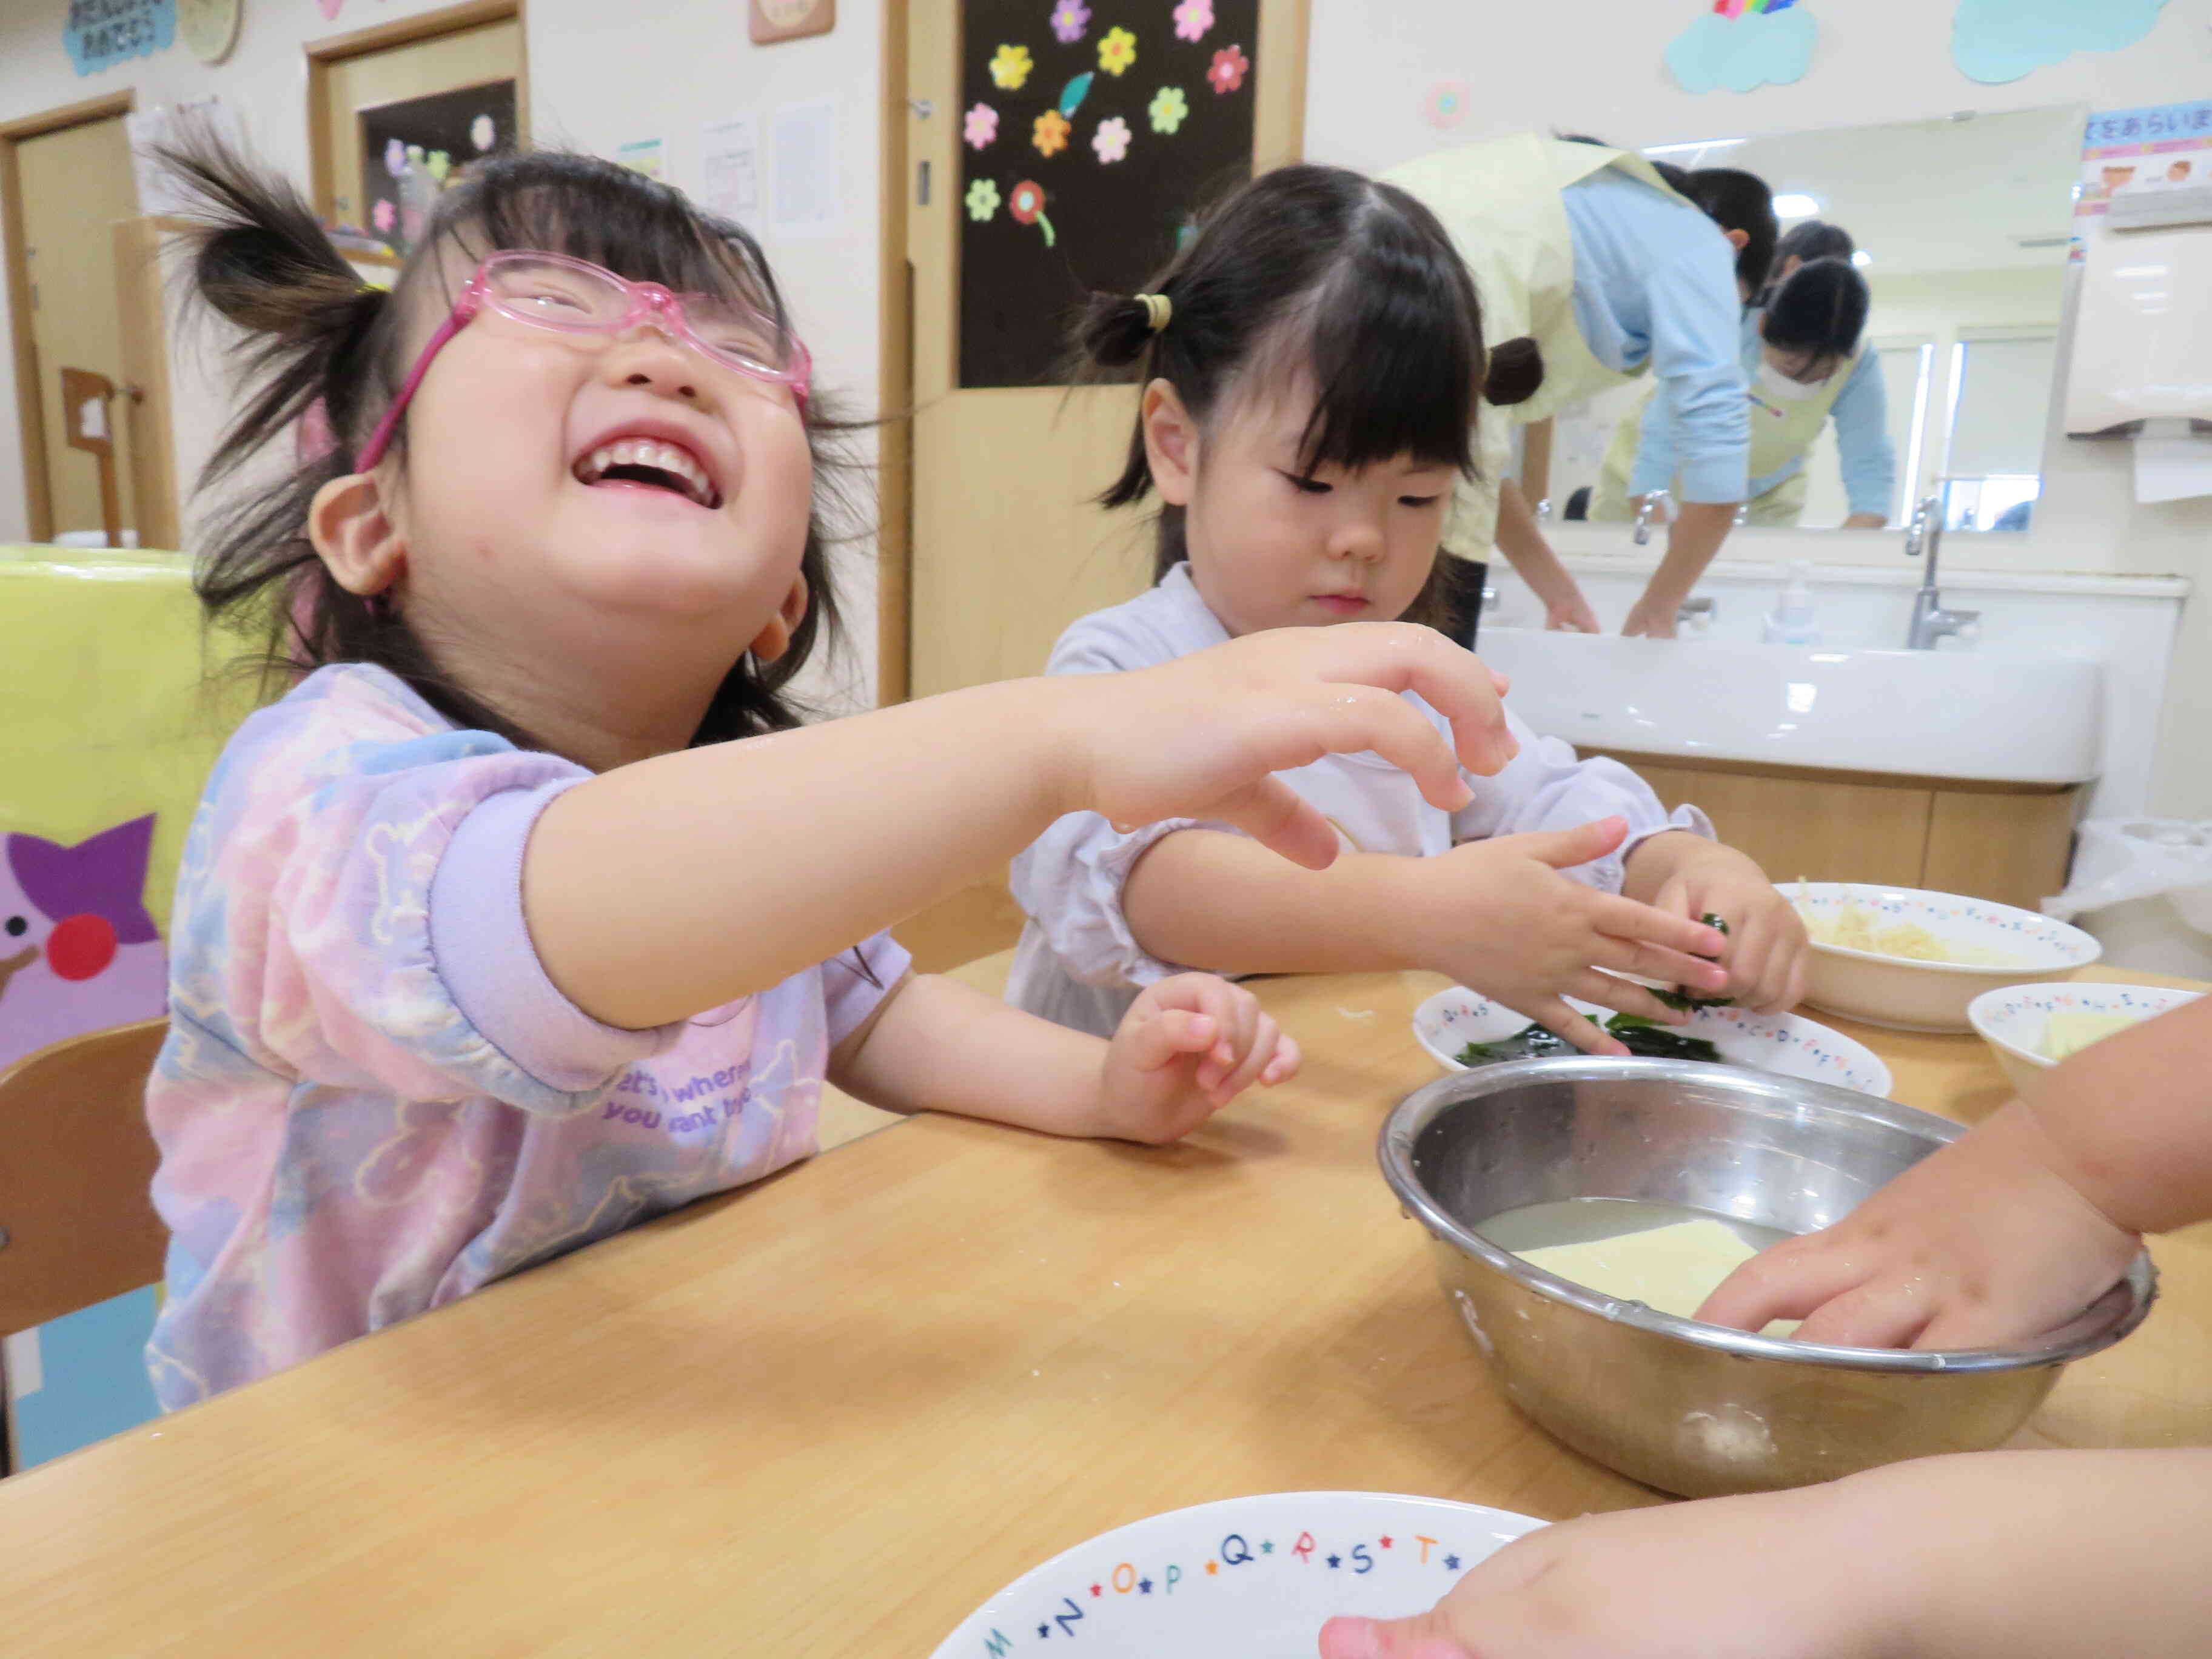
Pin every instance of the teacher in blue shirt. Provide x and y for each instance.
(1806, 362)
(1617, 266)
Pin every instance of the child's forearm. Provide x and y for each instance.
(1207, 899)
(803, 842)
(2053, 1555)
(2127, 1122)
(940, 1046)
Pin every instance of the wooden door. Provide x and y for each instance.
(1002, 546)
(418, 59)
(75, 182)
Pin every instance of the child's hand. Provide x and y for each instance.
(1984, 1242)
(1199, 737)
(1688, 875)
(1186, 1048)
(1498, 917)
(1670, 1583)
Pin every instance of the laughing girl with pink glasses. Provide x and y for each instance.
(532, 911)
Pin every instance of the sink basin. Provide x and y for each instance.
(1924, 713)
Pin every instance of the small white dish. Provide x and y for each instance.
(1909, 995)
(2013, 1019)
(1247, 1576)
(1785, 1043)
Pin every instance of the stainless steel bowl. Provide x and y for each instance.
(1685, 1407)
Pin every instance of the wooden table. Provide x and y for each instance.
(830, 1414)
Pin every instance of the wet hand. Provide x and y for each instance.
(1186, 1048)
(1499, 917)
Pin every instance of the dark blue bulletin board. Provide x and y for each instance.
(1091, 131)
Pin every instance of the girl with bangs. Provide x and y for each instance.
(531, 911)
(1313, 364)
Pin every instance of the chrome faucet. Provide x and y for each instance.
(1658, 506)
(1931, 621)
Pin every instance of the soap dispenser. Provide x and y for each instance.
(1792, 621)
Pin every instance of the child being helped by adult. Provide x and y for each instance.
(2009, 1230)
(532, 911)
(1312, 365)
(1805, 359)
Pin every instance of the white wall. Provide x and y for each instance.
(599, 75)
(1597, 67)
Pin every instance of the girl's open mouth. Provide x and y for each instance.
(654, 463)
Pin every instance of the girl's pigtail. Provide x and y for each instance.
(1116, 330)
(260, 260)
(1114, 333)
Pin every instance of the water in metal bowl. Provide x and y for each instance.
(1688, 1407)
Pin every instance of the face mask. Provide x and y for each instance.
(1779, 386)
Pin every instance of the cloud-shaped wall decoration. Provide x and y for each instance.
(1741, 48)
(1999, 40)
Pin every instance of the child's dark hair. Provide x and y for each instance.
(1818, 312)
(1813, 239)
(325, 349)
(1733, 200)
(1322, 268)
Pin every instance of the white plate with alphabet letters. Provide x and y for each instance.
(1256, 1578)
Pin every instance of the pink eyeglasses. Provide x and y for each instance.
(574, 296)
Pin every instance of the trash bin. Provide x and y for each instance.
(2143, 887)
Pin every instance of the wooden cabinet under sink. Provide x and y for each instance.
(2010, 843)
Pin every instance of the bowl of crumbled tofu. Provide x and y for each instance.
(2031, 1028)
(1915, 961)
(1580, 1211)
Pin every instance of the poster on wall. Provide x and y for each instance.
(1091, 134)
(2130, 151)
(414, 150)
(99, 34)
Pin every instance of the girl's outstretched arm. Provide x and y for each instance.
(673, 886)
(1187, 1046)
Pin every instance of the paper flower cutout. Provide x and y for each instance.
(1010, 67)
(383, 216)
(980, 126)
(1230, 66)
(983, 201)
(1193, 18)
(439, 164)
(1069, 19)
(1027, 206)
(483, 133)
(1117, 52)
(1998, 40)
(1447, 105)
(1111, 141)
(1050, 133)
(1743, 53)
(395, 159)
(1168, 109)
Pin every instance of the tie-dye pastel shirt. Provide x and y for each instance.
(372, 1099)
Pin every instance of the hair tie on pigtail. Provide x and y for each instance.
(1158, 308)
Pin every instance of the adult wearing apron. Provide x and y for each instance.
(1615, 267)
(1806, 364)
